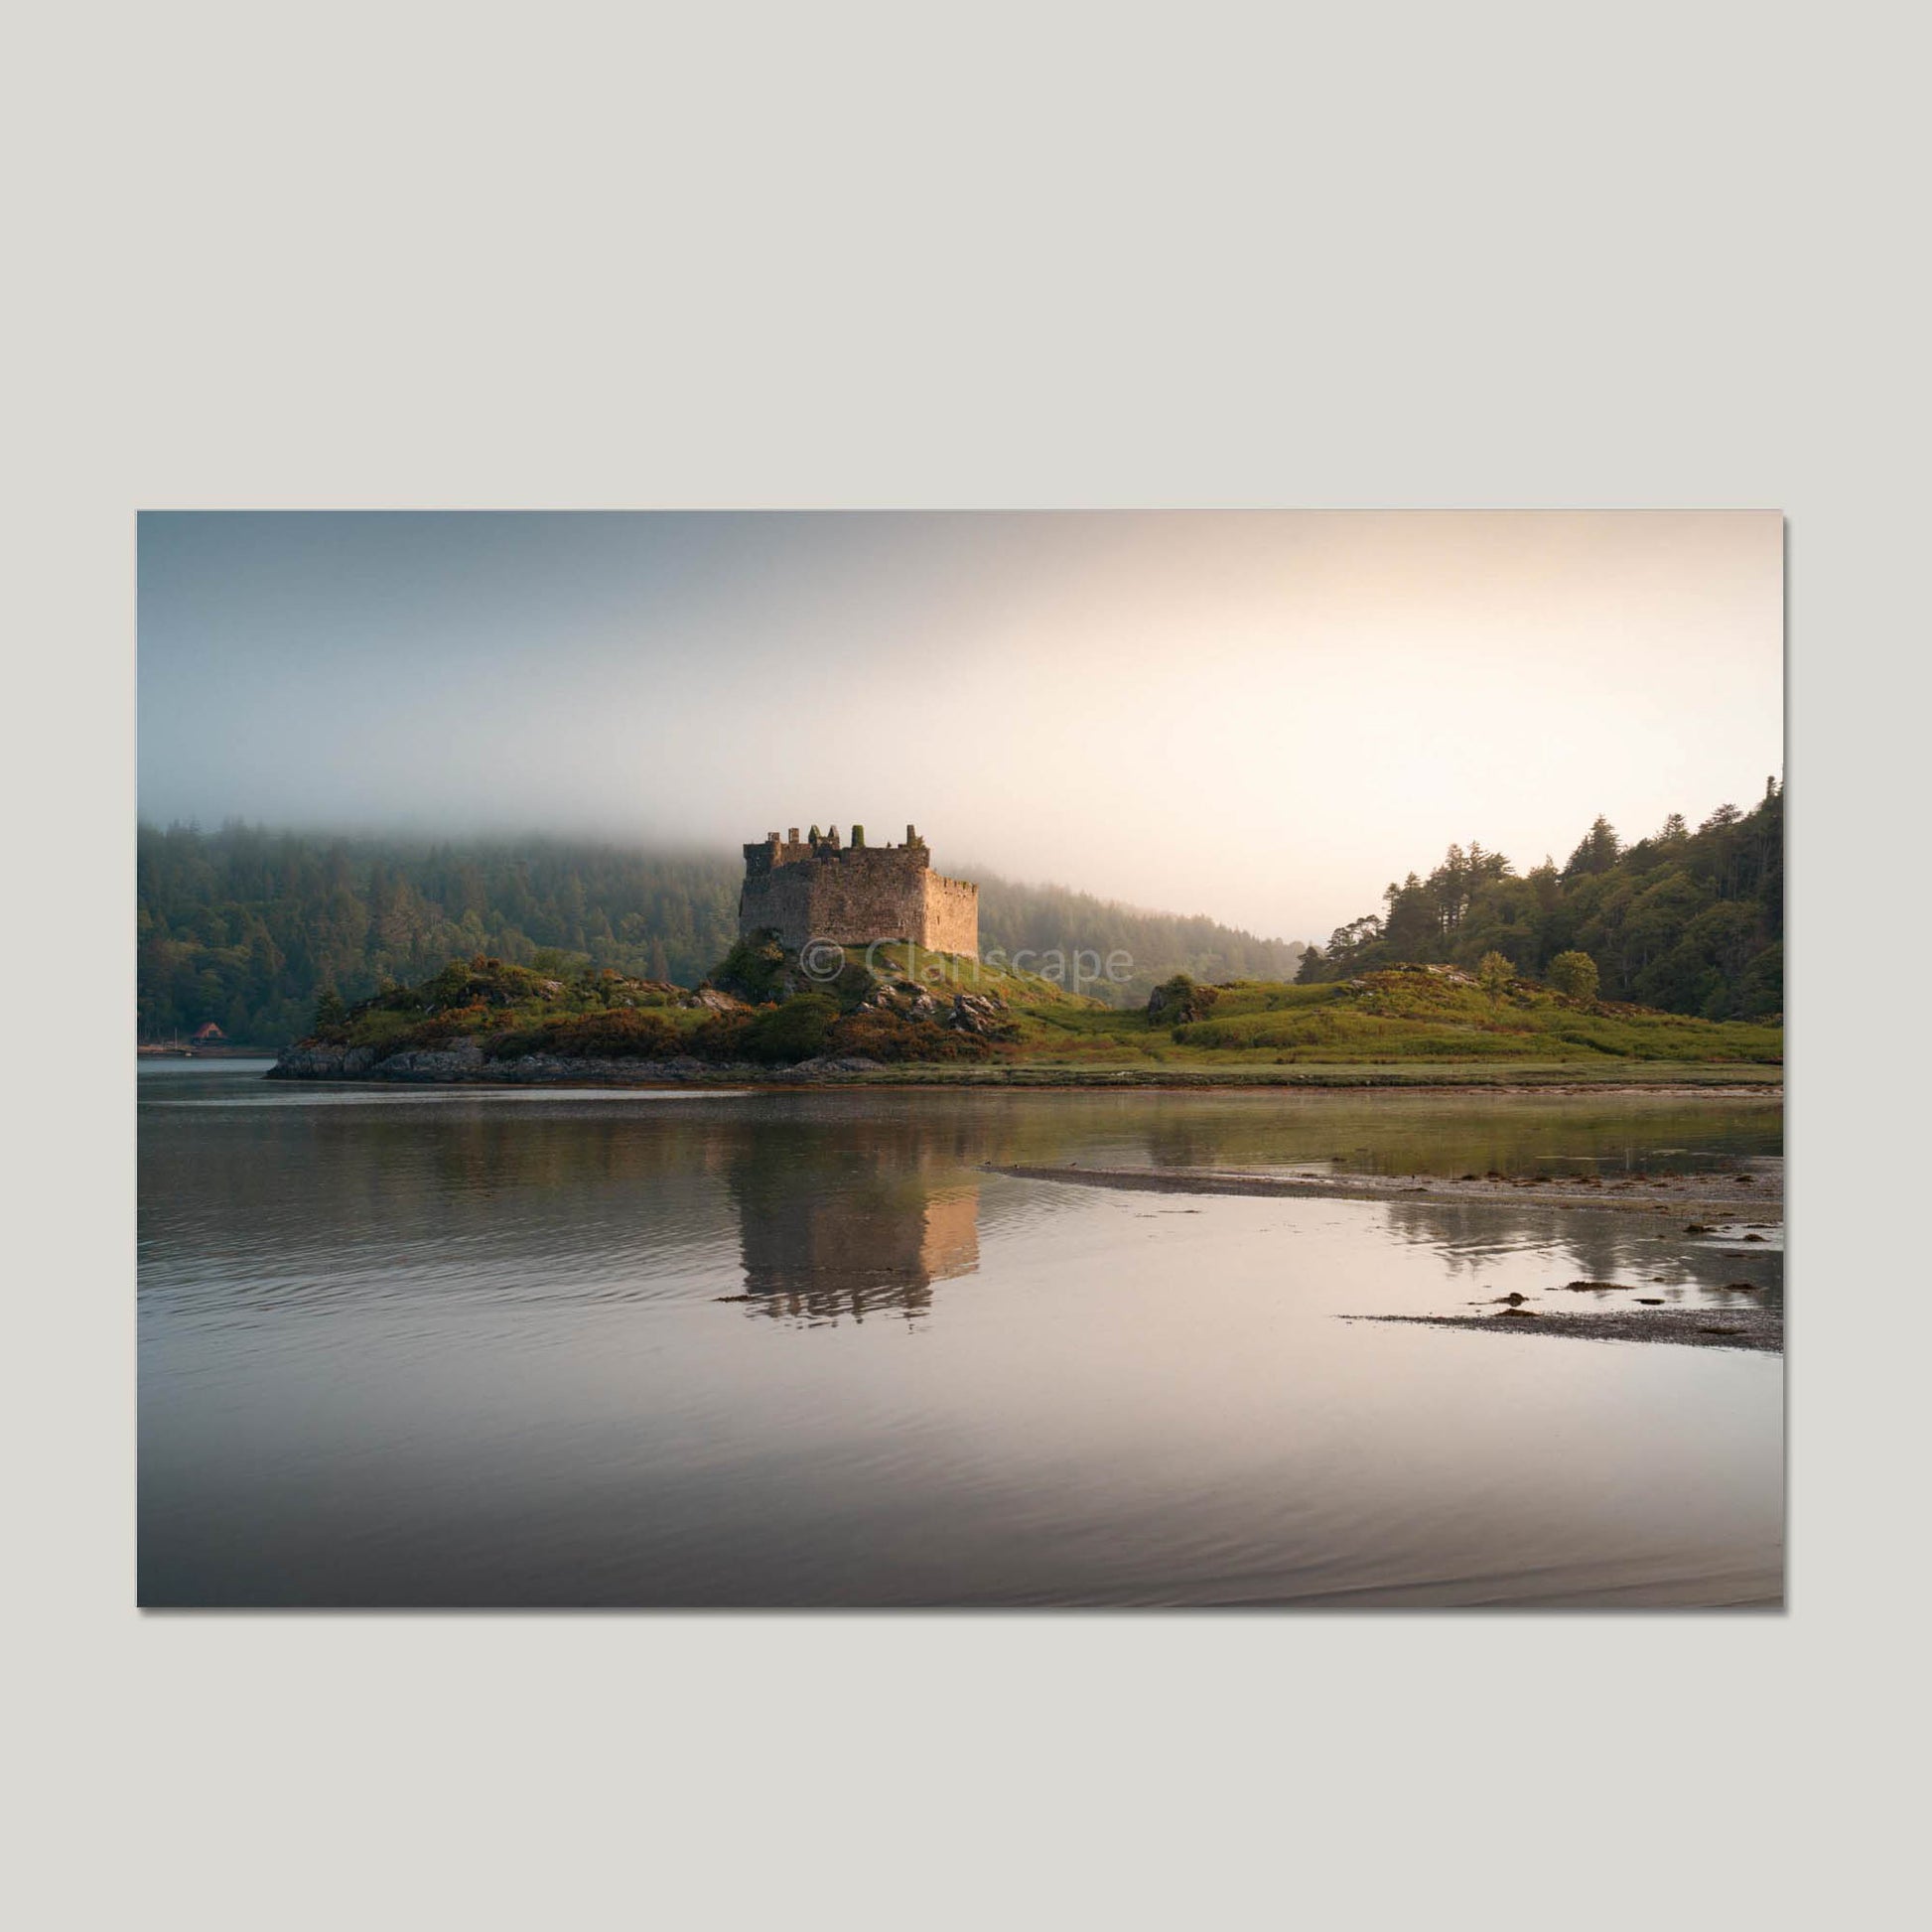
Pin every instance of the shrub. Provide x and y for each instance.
(753, 968)
(855, 982)
(1494, 974)
(880, 1034)
(622, 1034)
(446, 1025)
(464, 983)
(1573, 974)
(1176, 1000)
(792, 1032)
(720, 1039)
(332, 1019)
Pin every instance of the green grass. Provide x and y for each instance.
(950, 973)
(1388, 1019)
(1386, 1028)
(496, 1003)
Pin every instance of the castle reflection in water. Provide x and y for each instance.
(822, 1247)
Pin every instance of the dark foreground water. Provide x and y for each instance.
(433, 1347)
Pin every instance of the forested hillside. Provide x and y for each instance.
(1054, 918)
(247, 926)
(1689, 922)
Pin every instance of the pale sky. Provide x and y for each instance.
(1264, 716)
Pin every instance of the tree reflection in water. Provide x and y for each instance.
(1593, 1245)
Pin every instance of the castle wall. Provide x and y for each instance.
(868, 893)
(854, 894)
(781, 899)
(952, 915)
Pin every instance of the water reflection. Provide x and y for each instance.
(830, 1232)
(1445, 1132)
(1645, 1252)
(455, 1350)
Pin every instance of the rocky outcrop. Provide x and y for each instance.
(980, 1014)
(984, 1015)
(310, 1061)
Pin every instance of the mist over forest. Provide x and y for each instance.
(248, 926)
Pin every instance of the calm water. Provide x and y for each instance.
(432, 1348)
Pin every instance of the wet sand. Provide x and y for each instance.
(1761, 1329)
(1733, 1206)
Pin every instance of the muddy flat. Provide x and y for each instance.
(1734, 1199)
(1742, 1209)
(1760, 1330)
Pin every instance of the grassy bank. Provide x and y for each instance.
(1555, 1076)
(930, 1018)
(1402, 1018)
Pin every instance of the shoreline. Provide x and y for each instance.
(1759, 1330)
(458, 1068)
(1761, 1195)
(1753, 1326)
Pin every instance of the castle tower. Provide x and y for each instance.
(817, 889)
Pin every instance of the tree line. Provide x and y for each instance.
(1688, 921)
(1047, 919)
(249, 927)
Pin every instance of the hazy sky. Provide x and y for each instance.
(1263, 716)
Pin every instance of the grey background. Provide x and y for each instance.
(627, 257)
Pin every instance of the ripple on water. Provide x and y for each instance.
(427, 1346)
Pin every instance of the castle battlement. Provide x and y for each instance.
(815, 888)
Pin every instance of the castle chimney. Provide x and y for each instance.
(791, 835)
(858, 837)
(912, 837)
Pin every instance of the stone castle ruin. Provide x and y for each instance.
(816, 889)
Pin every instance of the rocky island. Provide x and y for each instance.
(859, 962)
